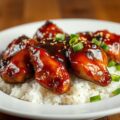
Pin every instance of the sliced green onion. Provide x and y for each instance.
(111, 63)
(96, 42)
(73, 42)
(95, 98)
(77, 47)
(101, 44)
(105, 46)
(60, 37)
(116, 92)
(73, 39)
(115, 77)
(118, 67)
(74, 36)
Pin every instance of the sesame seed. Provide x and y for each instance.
(107, 35)
(52, 44)
(59, 50)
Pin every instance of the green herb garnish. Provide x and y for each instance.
(115, 77)
(101, 44)
(74, 36)
(96, 42)
(60, 37)
(73, 39)
(105, 46)
(95, 98)
(118, 67)
(77, 47)
(111, 63)
(116, 92)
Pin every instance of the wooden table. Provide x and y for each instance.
(15, 12)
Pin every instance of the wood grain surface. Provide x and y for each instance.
(15, 12)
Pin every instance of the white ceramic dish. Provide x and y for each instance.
(21, 108)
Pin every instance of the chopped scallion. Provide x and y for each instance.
(73, 42)
(116, 92)
(105, 46)
(77, 47)
(60, 37)
(74, 36)
(73, 39)
(115, 77)
(96, 42)
(95, 98)
(111, 63)
(101, 44)
(118, 67)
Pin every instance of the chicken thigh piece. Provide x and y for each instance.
(50, 73)
(53, 39)
(17, 69)
(90, 63)
(112, 41)
(17, 45)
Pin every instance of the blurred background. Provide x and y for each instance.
(16, 12)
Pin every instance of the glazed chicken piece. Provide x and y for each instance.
(15, 66)
(112, 41)
(90, 63)
(47, 32)
(17, 69)
(17, 45)
(50, 73)
(46, 35)
(14, 47)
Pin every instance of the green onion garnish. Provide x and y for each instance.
(60, 37)
(118, 67)
(116, 92)
(73, 39)
(101, 44)
(96, 42)
(105, 46)
(111, 63)
(77, 47)
(115, 77)
(74, 36)
(95, 98)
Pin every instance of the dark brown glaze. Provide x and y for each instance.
(17, 69)
(47, 31)
(46, 37)
(85, 36)
(15, 66)
(14, 47)
(17, 45)
(113, 41)
(50, 73)
(90, 64)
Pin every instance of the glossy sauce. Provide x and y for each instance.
(113, 41)
(90, 64)
(48, 72)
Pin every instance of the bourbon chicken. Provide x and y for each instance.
(15, 66)
(49, 38)
(48, 72)
(90, 63)
(112, 41)
(18, 68)
(46, 55)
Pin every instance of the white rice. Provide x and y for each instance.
(80, 91)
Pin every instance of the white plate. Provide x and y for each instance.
(21, 108)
